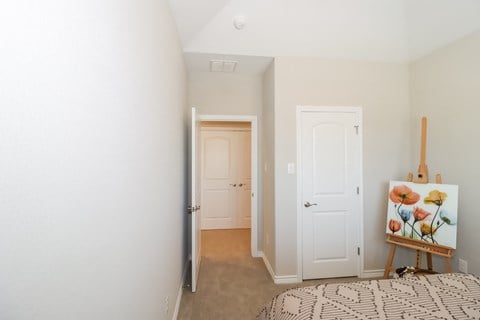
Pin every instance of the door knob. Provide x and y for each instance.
(241, 184)
(233, 184)
(308, 204)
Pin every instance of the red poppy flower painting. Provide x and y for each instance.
(425, 212)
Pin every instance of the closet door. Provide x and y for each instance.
(226, 179)
(218, 180)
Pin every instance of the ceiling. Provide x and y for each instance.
(375, 30)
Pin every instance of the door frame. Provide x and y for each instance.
(254, 168)
(331, 109)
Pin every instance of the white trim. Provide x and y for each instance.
(254, 147)
(278, 279)
(180, 291)
(299, 197)
(259, 254)
(330, 109)
(361, 244)
(377, 273)
(268, 266)
(214, 129)
(286, 279)
(227, 118)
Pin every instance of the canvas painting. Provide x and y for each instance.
(425, 212)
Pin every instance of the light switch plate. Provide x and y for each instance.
(291, 168)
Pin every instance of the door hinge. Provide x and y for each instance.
(253, 195)
(358, 250)
(356, 129)
(358, 190)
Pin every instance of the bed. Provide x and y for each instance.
(434, 296)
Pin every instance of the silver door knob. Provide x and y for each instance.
(308, 204)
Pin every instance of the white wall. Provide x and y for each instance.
(92, 194)
(445, 88)
(382, 90)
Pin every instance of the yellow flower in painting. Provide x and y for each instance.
(435, 197)
(426, 228)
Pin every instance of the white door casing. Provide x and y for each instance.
(194, 207)
(244, 188)
(226, 178)
(330, 204)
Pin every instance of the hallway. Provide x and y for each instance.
(232, 285)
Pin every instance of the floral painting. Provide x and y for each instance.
(425, 212)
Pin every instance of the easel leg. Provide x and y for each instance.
(388, 266)
(429, 261)
(418, 264)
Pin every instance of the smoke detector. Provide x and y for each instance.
(239, 21)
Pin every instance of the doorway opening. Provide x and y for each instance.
(228, 175)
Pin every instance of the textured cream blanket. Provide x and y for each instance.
(437, 296)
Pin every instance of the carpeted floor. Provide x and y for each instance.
(232, 285)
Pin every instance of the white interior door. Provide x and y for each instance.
(330, 182)
(218, 179)
(194, 207)
(226, 178)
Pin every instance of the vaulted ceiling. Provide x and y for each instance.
(381, 30)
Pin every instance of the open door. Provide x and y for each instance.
(194, 207)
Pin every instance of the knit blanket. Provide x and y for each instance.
(435, 296)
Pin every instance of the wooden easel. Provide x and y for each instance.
(419, 245)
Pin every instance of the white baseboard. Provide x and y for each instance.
(180, 291)
(286, 279)
(258, 254)
(268, 266)
(372, 273)
(278, 279)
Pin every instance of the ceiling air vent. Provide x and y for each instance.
(223, 65)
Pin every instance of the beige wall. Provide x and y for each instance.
(92, 209)
(382, 90)
(225, 93)
(445, 87)
(268, 165)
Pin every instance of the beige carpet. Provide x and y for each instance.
(232, 285)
